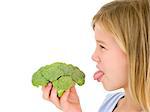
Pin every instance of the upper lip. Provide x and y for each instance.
(99, 68)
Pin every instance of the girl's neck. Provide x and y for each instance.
(127, 103)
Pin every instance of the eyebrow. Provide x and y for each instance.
(100, 41)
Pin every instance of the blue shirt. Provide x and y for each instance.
(110, 102)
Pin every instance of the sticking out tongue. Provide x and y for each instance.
(98, 75)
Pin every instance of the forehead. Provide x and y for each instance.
(102, 34)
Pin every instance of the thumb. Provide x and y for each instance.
(73, 90)
(73, 96)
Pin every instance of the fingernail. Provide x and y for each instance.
(49, 84)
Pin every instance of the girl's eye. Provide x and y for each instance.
(102, 47)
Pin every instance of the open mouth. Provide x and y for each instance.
(98, 75)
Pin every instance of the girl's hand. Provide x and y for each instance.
(68, 102)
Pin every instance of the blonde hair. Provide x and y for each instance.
(129, 21)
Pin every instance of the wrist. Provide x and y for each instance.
(76, 109)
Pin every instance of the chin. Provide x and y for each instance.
(110, 88)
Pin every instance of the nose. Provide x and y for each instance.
(95, 57)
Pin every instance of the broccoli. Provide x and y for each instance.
(62, 76)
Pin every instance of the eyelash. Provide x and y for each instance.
(101, 46)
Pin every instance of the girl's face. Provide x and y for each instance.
(111, 61)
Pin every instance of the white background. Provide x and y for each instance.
(34, 33)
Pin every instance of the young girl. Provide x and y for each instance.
(122, 54)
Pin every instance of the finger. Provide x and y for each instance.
(65, 96)
(43, 87)
(50, 84)
(53, 97)
(47, 91)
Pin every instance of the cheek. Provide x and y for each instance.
(116, 72)
(115, 79)
(116, 63)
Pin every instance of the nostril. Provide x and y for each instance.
(93, 57)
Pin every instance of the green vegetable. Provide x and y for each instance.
(62, 76)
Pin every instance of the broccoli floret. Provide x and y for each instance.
(62, 76)
(62, 84)
(38, 79)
